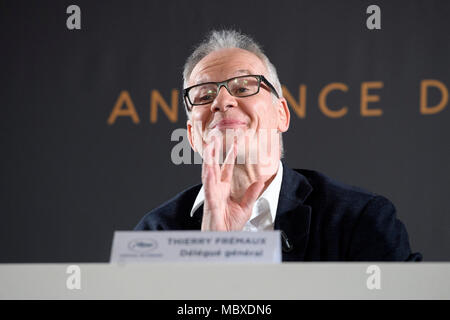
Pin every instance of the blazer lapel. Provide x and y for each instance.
(293, 216)
(196, 219)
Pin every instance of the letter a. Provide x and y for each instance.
(74, 280)
(74, 20)
(374, 21)
(130, 111)
(374, 280)
(182, 147)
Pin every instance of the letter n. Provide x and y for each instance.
(300, 106)
(156, 99)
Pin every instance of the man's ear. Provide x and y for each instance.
(190, 134)
(284, 116)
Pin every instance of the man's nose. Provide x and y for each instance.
(223, 101)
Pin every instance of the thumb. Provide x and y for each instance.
(251, 195)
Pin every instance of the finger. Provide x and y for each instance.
(228, 165)
(251, 195)
(210, 187)
(207, 153)
(217, 151)
(208, 163)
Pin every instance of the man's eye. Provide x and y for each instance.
(205, 98)
(241, 90)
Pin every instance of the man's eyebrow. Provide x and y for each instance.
(201, 80)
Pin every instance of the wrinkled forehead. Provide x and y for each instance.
(224, 64)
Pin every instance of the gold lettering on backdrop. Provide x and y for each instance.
(366, 98)
(124, 106)
(424, 84)
(300, 106)
(129, 111)
(323, 100)
(157, 99)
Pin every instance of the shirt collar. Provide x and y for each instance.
(271, 194)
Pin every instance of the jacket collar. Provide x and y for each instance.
(293, 216)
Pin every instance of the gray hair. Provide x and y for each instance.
(228, 39)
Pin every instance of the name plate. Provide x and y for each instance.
(196, 246)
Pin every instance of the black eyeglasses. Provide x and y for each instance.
(242, 86)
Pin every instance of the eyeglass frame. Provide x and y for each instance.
(224, 83)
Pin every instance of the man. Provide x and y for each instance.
(235, 111)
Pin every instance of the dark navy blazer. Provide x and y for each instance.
(322, 220)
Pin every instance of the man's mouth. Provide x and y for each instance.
(228, 124)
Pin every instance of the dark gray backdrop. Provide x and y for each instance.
(68, 179)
